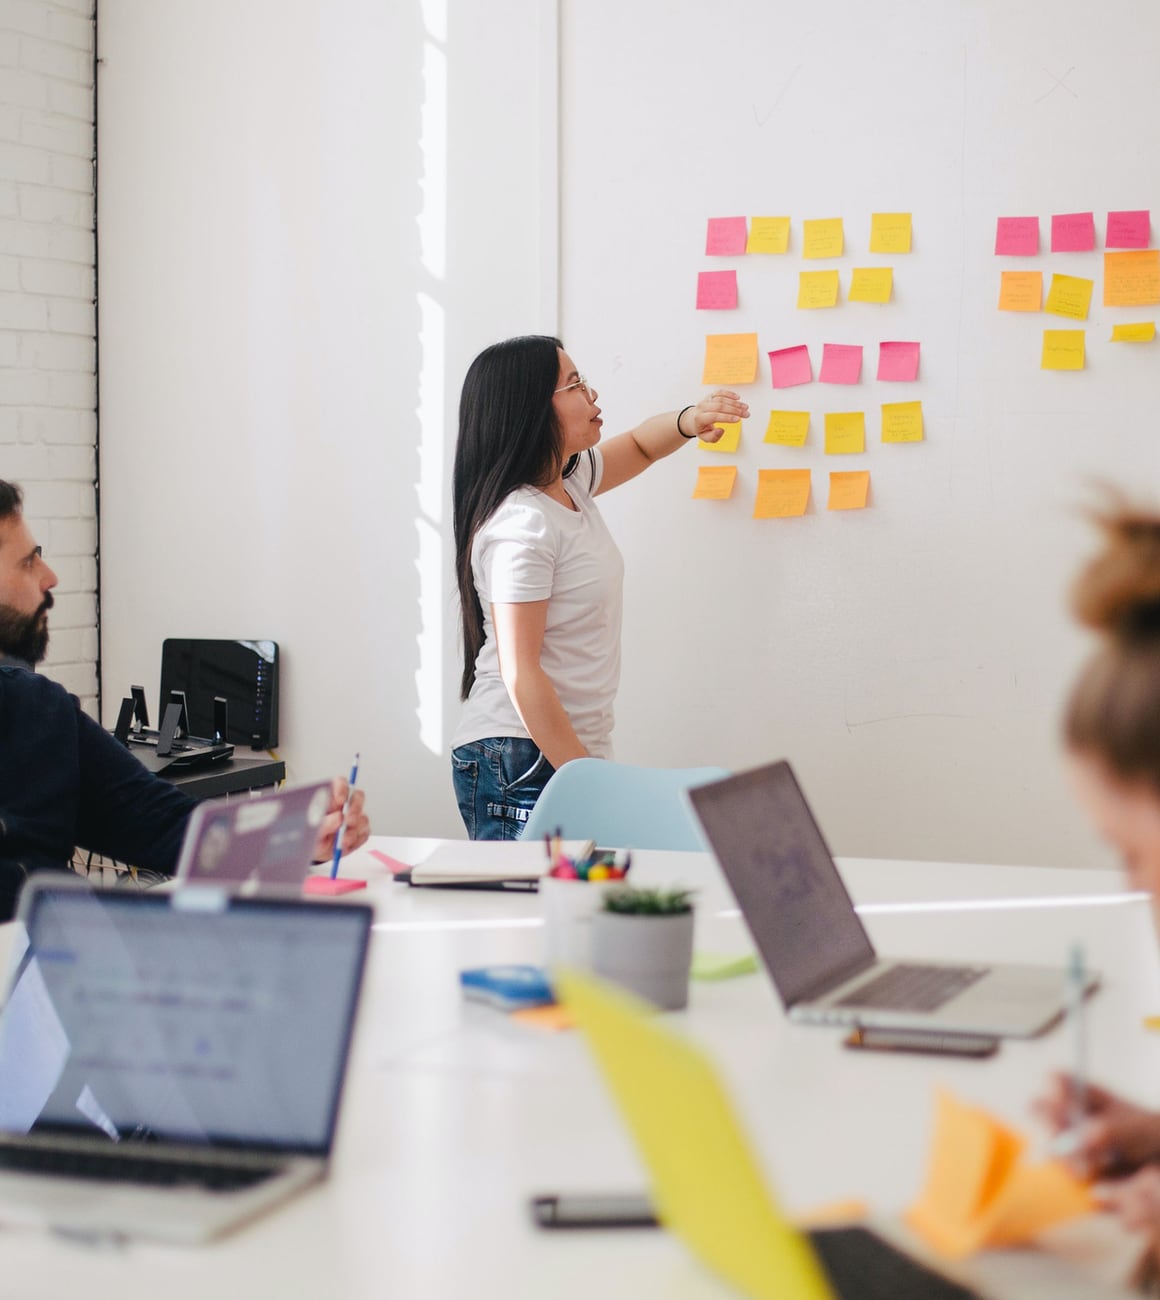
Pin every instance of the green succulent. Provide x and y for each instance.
(627, 900)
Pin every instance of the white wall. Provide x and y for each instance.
(47, 320)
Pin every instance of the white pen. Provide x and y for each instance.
(1067, 1142)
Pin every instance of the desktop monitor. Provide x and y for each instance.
(245, 673)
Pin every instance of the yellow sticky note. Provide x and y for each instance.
(1021, 291)
(1132, 279)
(1069, 295)
(1062, 350)
(715, 482)
(848, 490)
(817, 289)
(902, 422)
(1142, 332)
(768, 235)
(822, 238)
(845, 432)
(730, 359)
(871, 284)
(890, 232)
(781, 493)
(788, 428)
(729, 440)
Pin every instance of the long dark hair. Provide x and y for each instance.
(508, 438)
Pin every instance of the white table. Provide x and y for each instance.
(454, 1115)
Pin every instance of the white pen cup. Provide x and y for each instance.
(568, 907)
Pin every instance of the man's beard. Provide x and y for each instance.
(25, 636)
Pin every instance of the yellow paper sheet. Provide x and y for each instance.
(817, 289)
(729, 440)
(781, 493)
(871, 284)
(848, 489)
(1140, 332)
(902, 422)
(1069, 295)
(768, 235)
(1132, 279)
(822, 238)
(1062, 350)
(890, 232)
(845, 432)
(715, 482)
(730, 359)
(788, 428)
(1021, 291)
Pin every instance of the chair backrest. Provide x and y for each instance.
(621, 806)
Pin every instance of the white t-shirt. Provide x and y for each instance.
(534, 548)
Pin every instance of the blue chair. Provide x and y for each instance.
(621, 806)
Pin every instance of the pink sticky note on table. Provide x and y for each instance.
(727, 236)
(790, 366)
(393, 865)
(1128, 229)
(1017, 236)
(716, 290)
(841, 363)
(1073, 232)
(898, 362)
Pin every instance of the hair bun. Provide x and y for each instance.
(1118, 592)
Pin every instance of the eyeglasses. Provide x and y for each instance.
(581, 383)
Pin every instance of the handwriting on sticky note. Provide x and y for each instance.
(890, 232)
(848, 489)
(730, 359)
(725, 237)
(781, 493)
(1073, 232)
(789, 367)
(871, 284)
(1020, 290)
(768, 235)
(902, 422)
(1017, 236)
(729, 440)
(788, 428)
(1132, 279)
(817, 288)
(715, 482)
(1062, 350)
(1069, 295)
(822, 238)
(716, 290)
(1138, 332)
(841, 363)
(1128, 229)
(845, 432)
(898, 362)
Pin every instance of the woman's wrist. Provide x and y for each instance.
(687, 436)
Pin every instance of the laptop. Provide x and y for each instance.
(814, 944)
(262, 842)
(172, 1063)
(706, 1185)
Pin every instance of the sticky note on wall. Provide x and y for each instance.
(898, 362)
(871, 284)
(730, 359)
(817, 289)
(788, 428)
(716, 290)
(715, 482)
(725, 236)
(902, 422)
(848, 489)
(845, 432)
(1139, 332)
(1132, 279)
(1069, 295)
(841, 363)
(1063, 350)
(1021, 291)
(768, 235)
(822, 238)
(1017, 236)
(1073, 232)
(781, 493)
(789, 367)
(729, 440)
(890, 232)
(1128, 229)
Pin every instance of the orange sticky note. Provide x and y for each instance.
(817, 289)
(715, 482)
(552, 1019)
(1132, 279)
(848, 489)
(730, 359)
(1069, 295)
(729, 439)
(1062, 350)
(768, 235)
(788, 428)
(1021, 291)
(902, 422)
(781, 493)
(845, 432)
(890, 232)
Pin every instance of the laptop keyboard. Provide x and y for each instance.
(861, 1266)
(913, 988)
(107, 1167)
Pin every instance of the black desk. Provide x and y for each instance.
(229, 777)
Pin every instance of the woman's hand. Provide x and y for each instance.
(356, 830)
(721, 405)
(1112, 1136)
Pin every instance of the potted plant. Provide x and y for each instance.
(642, 939)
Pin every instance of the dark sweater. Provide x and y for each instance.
(65, 781)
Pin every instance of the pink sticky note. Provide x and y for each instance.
(331, 888)
(1017, 236)
(1073, 232)
(716, 290)
(393, 865)
(727, 236)
(1128, 229)
(841, 363)
(790, 366)
(898, 362)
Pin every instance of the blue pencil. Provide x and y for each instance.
(342, 824)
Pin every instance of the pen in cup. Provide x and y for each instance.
(342, 823)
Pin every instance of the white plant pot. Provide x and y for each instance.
(648, 955)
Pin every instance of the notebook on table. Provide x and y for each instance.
(486, 864)
(172, 1063)
(814, 944)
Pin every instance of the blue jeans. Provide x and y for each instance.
(497, 782)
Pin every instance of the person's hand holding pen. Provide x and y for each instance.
(1112, 1137)
(355, 829)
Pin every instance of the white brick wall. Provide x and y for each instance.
(47, 321)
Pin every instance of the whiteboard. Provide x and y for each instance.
(911, 658)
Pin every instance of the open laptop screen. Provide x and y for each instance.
(186, 1017)
(784, 878)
